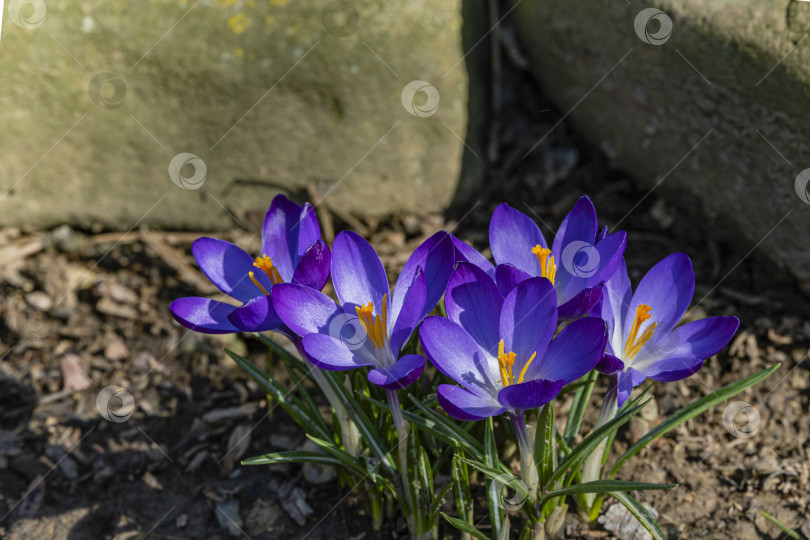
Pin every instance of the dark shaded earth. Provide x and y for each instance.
(82, 310)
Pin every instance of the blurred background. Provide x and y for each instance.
(131, 128)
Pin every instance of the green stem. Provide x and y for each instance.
(528, 469)
(592, 468)
(403, 428)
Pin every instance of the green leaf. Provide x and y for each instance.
(586, 447)
(427, 425)
(578, 407)
(425, 472)
(544, 443)
(690, 411)
(437, 502)
(784, 528)
(293, 456)
(641, 514)
(603, 486)
(463, 526)
(491, 460)
(368, 431)
(350, 461)
(283, 353)
(283, 396)
(460, 480)
(451, 430)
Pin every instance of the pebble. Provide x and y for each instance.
(228, 517)
(39, 300)
(261, 516)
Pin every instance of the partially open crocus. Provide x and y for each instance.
(644, 340)
(292, 252)
(577, 263)
(369, 325)
(500, 350)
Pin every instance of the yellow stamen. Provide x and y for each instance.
(376, 326)
(635, 342)
(505, 362)
(548, 269)
(523, 371)
(265, 264)
(256, 282)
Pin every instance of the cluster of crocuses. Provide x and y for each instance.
(515, 333)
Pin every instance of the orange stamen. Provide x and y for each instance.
(548, 269)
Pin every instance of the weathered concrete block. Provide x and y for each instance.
(706, 100)
(98, 97)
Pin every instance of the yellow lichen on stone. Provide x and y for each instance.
(238, 23)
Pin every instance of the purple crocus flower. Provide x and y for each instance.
(369, 325)
(500, 350)
(292, 251)
(577, 263)
(644, 341)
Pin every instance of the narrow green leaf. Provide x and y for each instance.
(427, 425)
(603, 486)
(350, 461)
(306, 399)
(425, 472)
(463, 526)
(578, 407)
(437, 502)
(784, 528)
(282, 353)
(690, 411)
(641, 514)
(450, 428)
(283, 396)
(544, 443)
(584, 449)
(368, 431)
(460, 477)
(293, 456)
(491, 460)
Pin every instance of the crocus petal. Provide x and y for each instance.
(667, 288)
(313, 268)
(616, 294)
(203, 315)
(529, 395)
(528, 320)
(462, 404)
(306, 311)
(410, 314)
(609, 364)
(677, 375)
(627, 380)
(573, 353)
(403, 373)
(508, 277)
(309, 230)
(357, 273)
(256, 315)
(332, 354)
(280, 235)
(579, 225)
(686, 346)
(581, 304)
(472, 300)
(228, 267)
(453, 352)
(436, 257)
(581, 265)
(465, 252)
(512, 235)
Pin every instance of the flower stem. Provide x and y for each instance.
(403, 428)
(528, 469)
(592, 469)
